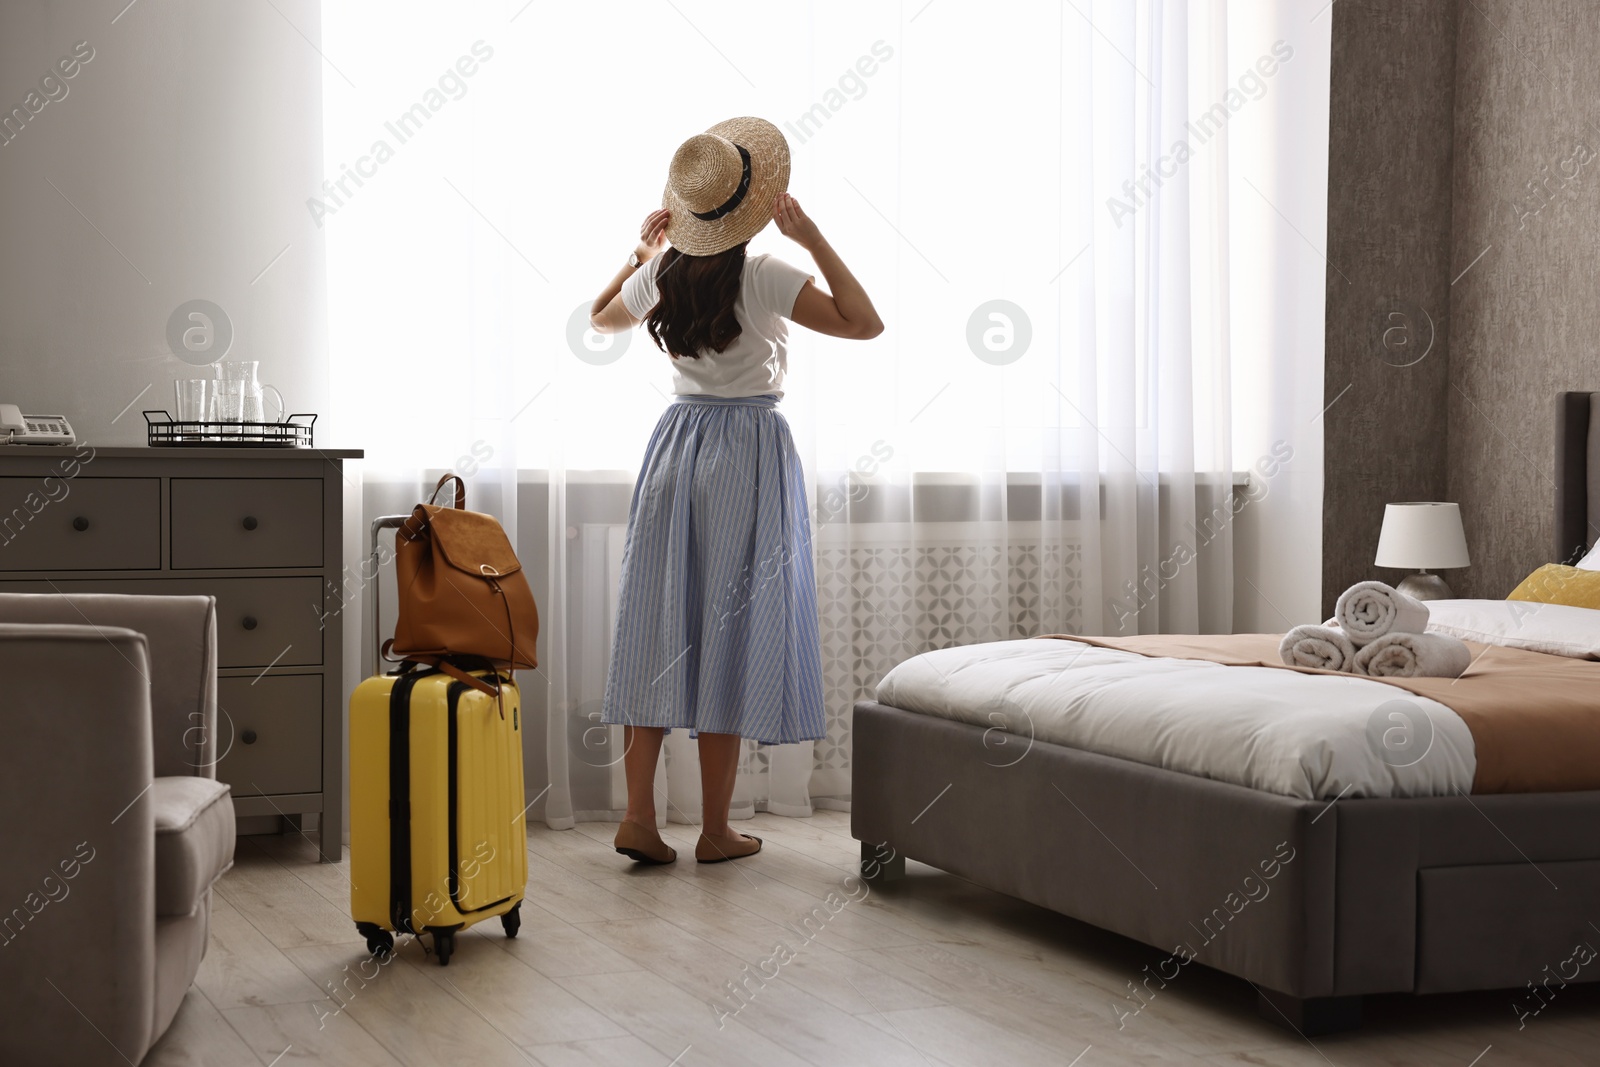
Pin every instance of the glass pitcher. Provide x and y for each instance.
(241, 396)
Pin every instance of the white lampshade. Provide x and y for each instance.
(1422, 536)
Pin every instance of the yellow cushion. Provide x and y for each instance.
(1555, 584)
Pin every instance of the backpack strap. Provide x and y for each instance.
(461, 490)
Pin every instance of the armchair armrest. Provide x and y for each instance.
(77, 910)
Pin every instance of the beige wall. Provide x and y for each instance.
(1442, 116)
(175, 167)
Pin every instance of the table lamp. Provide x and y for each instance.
(1425, 536)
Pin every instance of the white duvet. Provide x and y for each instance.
(1302, 735)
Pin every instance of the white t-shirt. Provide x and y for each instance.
(758, 358)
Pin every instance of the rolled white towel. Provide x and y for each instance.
(1368, 610)
(1325, 647)
(1403, 655)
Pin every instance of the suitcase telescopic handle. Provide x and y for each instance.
(380, 524)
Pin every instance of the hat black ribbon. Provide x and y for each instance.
(738, 194)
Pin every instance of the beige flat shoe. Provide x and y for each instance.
(723, 849)
(643, 844)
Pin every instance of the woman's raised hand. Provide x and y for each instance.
(794, 223)
(652, 234)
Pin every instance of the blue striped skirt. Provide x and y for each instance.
(717, 617)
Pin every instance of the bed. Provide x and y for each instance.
(1317, 882)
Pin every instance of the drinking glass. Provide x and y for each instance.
(194, 398)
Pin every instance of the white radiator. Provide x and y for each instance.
(889, 591)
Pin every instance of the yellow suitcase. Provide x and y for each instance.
(438, 832)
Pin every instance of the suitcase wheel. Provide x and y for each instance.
(511, 921)
(380, 942)
(444, 943)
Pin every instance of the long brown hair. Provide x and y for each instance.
(695, 311)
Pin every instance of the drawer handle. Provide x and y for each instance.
(80, 524)
(249, 622)
(248, 737)
(250, 522)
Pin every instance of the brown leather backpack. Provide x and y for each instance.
(463, 595)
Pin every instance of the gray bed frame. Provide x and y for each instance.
(1314, 903)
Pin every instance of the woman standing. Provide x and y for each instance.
(717, 619)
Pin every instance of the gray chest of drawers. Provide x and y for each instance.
(260, 530)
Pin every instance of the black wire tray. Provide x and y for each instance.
(167, 432)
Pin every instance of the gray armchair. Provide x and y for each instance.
(114, 827)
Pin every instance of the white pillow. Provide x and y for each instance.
(1591, 562)
(1557, 629)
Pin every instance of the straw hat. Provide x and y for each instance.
(721, 185)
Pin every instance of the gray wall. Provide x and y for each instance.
(1389, 192)
(1442, 116)
(175, 167)
(1526, 319)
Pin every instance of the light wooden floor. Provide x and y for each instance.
(624, 965)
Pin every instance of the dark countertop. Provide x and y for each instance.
(179, 452)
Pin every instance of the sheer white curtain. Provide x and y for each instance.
(1039, 442)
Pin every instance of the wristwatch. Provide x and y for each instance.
(634, 261)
